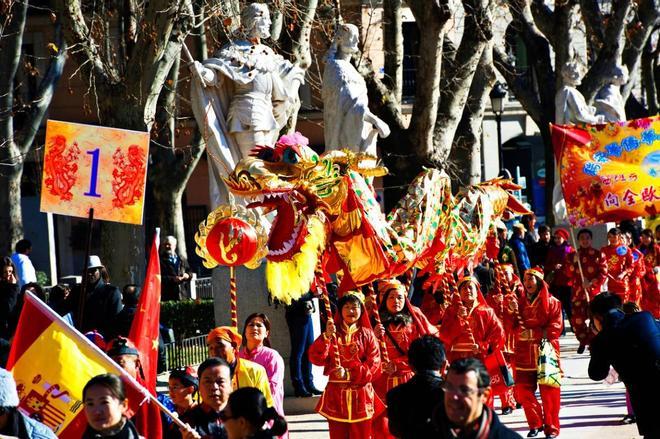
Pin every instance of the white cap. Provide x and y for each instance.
(8, 393)
(94, 262)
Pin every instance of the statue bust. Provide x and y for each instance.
(609, 103)
(570, 106)
(242, 97)
(348, 122)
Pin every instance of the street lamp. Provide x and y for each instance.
(497, 95)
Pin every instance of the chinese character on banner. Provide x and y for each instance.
(629, 197)
(611, 200)
(648, 194)
(95, 167)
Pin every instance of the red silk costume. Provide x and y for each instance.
(619, 269)
(484, 324)
(403, 334)
(650, 283)
(349, 405)
(541, 318)
(635, 280)
(594, 269)
(500, 303)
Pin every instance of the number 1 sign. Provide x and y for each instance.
(88, 166)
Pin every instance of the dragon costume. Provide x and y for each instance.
(325, 209)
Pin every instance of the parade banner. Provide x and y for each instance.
(609, 172)
(95, 167)
(51, 363)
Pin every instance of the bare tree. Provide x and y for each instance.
(125, 77)
(20, 120)
(615, 32)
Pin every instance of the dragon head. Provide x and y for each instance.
(303, 191)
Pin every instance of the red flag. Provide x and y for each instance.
(146, 324)
(144, 334)
(51, 363)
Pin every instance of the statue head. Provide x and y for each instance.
(347, 38)
(619, 75)
(571, 73)
(255, 20)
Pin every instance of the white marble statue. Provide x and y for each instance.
(348, 122)
(570, 106)
(609, 103)
(242, 96)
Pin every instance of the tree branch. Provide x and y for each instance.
(639, 32)
(610, 54)
(77, 33)
(300, 46)
(544, 19)
(594, 21)
(47, 86)
(518, 85)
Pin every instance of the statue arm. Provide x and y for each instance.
(207, 76)
(580, 111)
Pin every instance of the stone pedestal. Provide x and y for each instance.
(253, 297)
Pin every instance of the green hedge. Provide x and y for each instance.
(188, 318)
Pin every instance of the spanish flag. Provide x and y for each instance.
(51, 363)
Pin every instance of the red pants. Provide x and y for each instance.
(345, 430)
(537, 415)
(579, 319)
(380, 427)
(507, 399)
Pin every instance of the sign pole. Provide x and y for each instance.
(83, 284)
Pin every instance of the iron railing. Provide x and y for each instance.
(186, 352)
(203, 288)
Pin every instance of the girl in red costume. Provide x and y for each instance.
(485, 333)
(619, 264)
(499, 299)
(401, 323)
(650, 283)
(349, 401)
(541, 317)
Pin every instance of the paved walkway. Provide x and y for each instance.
(590, 410)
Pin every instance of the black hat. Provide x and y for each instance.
(186, 375)
(121, 346)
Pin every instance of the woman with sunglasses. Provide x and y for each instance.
(247, 412)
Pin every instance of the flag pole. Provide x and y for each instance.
(83, 284)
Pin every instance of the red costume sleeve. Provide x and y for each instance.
(319, 352)
(555, 322)
(493, 330)
(451, 326)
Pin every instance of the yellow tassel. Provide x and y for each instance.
(289, 280)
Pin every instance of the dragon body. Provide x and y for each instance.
(323, 207)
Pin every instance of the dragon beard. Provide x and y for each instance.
(400, 318)
(289, 280)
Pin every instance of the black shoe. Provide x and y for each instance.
(507, 411)
(629, 419)
(581, 349)
(315, 391)
(534, 432)
(302, 393)
(518, 405)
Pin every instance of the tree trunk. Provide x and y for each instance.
(648, 79)
(11, 219)
(465, 157)
(393, 47)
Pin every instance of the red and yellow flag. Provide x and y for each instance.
(609, 172)
(51, 363)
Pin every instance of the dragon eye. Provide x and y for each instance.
(290, 156)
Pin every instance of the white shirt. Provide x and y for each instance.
(24, 269)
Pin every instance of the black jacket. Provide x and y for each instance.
(631, 344)
(102, 306)
(171, 289)
(127, 432)
(8, 302)
(497, 429)
(410, 406)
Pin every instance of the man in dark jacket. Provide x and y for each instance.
(410, 405)
(466, 415)
(631, 345)
(175, 273)
(102, 301)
